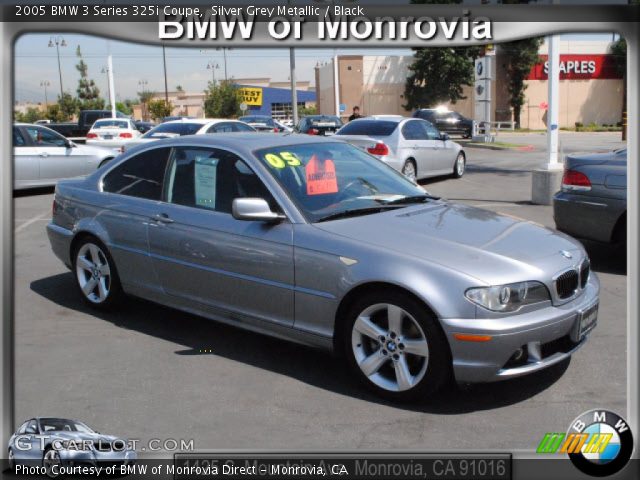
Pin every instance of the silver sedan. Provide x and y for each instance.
(313, 240)
(412, 146)
(42, 157)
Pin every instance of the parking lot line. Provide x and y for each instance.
(31, 221)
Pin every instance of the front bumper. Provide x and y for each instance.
(546, 337)
(94, 457)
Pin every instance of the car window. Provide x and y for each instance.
(223, 127)
(414, 131)
(242, 127)
(43, 137)
(18, 139)
(168, 130)
(140, 176)
(431, 131)
(23, 427)
(111, 123)
(211, 179)
(376, 128)
(63, 425)
(32, 427)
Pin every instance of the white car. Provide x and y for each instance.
(113, 133)
(190, 126)
(42, 157)
(410, 145)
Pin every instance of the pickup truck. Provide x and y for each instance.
(78, 130)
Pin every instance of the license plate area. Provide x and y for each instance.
(587, 320)
(108, 137)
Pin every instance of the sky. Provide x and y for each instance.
(36, 63)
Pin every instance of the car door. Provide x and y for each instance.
(239, 269)
(441, 151)
(131, 193)
(418, 145)
(26, 167)
(56, 159)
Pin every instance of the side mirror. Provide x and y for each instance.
(254, 209)
(444, 136)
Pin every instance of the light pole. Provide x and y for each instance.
(105, 70)
(213, 67)
(224, 54)
(143, 97)
(45, 84)
(164, 66)
(58, 41)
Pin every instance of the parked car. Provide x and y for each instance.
(316, 241)
(412, 146)
(447, 121)
(113, 133)
(324, 125)
(171, 118)
(199, 126)
(144, 127)
(592, 203)
(264, 123)
(43, 121)
(58, 441)
(86, 119)
(42, 157)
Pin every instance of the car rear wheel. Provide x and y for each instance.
(96, 274)
(395, 347)
(459, 166)
(12, 459)
(409, 170)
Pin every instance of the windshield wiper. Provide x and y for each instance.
(354, 212)
(412, 199)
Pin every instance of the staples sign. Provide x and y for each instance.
(578, 67)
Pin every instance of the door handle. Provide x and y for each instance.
(162, 218)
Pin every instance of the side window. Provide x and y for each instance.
(414, 131)
(43, 137)
(18, 139)
(32, 427)
(242, 127)
(23, 427)
(211, 179)
(224, 127)
(431, 131)
(140, 176)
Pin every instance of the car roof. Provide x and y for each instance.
(383, 118)
(201, 121)
(247, 141)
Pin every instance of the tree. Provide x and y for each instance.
(519, 57)
(145, 97)
(619, 51)
(31, 115)
(438, 75)
(159, 109)
(125, 107)
(69, 106)
(88, 92)
(54, 113)
(304, 111)
(179, 89)
(222, 100)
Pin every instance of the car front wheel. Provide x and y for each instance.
(96, 274)
(459, 166)
(50, 460)
(395, 347)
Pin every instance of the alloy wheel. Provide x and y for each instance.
(51, 459)
(93, 272)
(460, 165)
(409, 171)
(390, 347)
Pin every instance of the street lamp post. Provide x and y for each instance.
(58, 41)
(213, 67)
(224, 54)
(143, 84)
(45, 84)
(105, 70)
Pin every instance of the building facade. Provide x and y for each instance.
(591, 89)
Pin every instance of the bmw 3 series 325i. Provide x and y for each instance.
(315, 241)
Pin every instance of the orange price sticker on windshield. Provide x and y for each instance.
(321, 176)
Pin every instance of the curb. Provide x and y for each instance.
(488, 146)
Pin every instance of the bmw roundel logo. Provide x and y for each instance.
(607, 445)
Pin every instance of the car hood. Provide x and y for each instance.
(81, 436)
(490, 247)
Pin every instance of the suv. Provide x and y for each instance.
(447, 121)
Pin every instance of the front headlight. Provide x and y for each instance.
(508, 298)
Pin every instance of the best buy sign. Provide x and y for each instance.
(251, 96)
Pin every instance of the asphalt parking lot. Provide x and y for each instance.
(143, 373)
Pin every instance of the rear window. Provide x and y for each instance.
(111, 124)
(325, 122)
(167, 130)
(376, 128)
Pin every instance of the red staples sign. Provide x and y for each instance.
(578, 67)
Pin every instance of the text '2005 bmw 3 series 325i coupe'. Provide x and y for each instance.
(316, 241)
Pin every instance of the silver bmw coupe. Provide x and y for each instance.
(316, 241)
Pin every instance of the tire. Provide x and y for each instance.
(411, 363)
(49, 458)
(459, 166)
(12, 460)
(94, 267)
(409, 170)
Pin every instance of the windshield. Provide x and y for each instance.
(324, 121)
(111, 124)
(327, 179)
(63, 425)
(374, 128)
(166, 130)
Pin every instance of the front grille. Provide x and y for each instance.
(567, 283)
(585, 269)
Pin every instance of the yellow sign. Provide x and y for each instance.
(251, 96)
